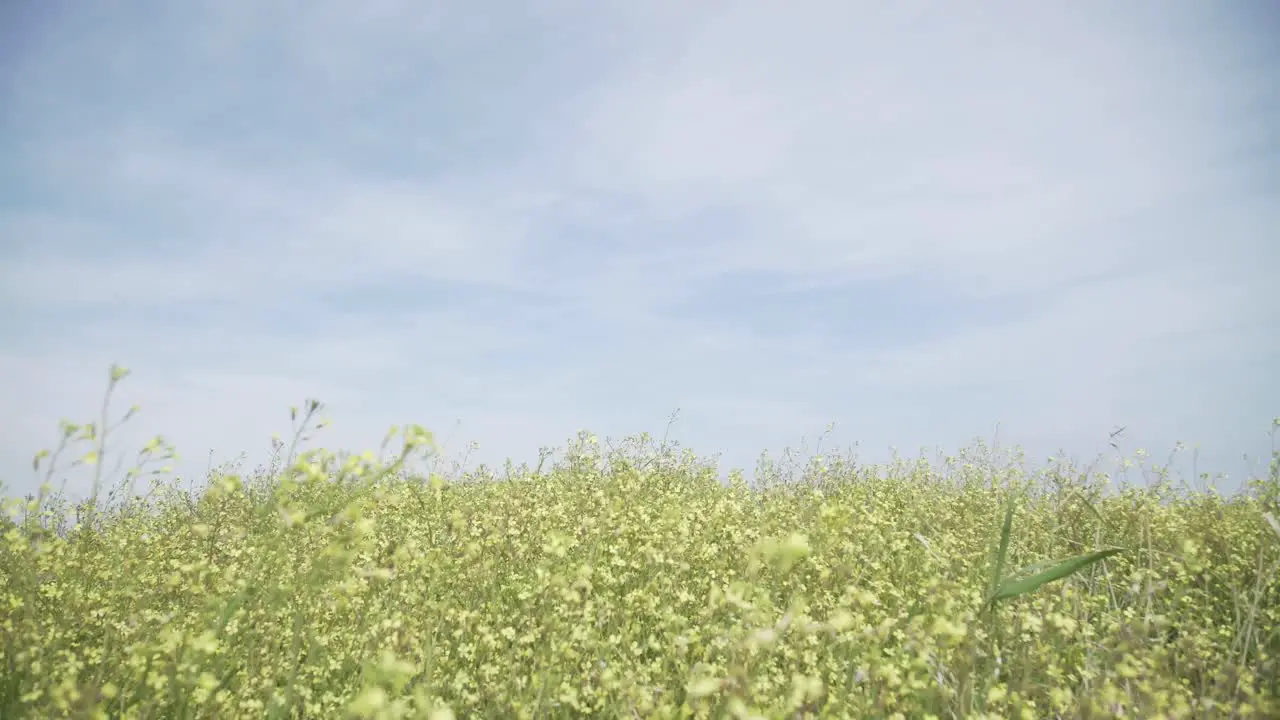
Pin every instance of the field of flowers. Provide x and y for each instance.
(634, 583)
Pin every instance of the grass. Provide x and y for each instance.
(634, 583)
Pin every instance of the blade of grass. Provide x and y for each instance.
(1031, 569)
(1014, 586)
(998, 567)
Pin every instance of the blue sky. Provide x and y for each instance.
(910, 220)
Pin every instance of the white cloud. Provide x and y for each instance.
(912, 220)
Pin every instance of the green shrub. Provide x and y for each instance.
(634, 584)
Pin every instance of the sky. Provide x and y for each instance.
(904, 225)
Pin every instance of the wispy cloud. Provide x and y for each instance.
(912, 221)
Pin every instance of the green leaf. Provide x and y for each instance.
(998, 567)
(1031, 569)
(1014, 586)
